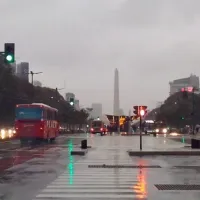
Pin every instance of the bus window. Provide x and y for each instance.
(28, 113)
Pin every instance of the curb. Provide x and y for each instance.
(89, 147)
(164, 153)
(79, 152)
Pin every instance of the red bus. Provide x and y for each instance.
(36, 121)
(97, 126)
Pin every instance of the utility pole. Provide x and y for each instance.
(32, 73)
(140, 132)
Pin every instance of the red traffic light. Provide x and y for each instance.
(142, 112)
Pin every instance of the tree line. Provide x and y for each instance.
(16, 91)
(178, 110)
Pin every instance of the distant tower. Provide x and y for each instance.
(116, 93)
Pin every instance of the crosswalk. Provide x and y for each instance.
(99, 183)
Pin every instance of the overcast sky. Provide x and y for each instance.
(81, 42)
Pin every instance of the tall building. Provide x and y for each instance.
(76, 104)
(96, 110)
(116, 107)
(176, 85)
(69, 95)
(14, 67)
(37, 83)
(23, 70)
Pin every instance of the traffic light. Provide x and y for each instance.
(182, 118)
(71, 101)
(9, 53)
(136, 111)
(142, 110)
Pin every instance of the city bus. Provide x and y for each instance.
(36, 121)
(98, 126)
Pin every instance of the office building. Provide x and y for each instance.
(76, 104)
(69, 95)
(14, 68)
(177, 85)
(96, 110)
(23, 70)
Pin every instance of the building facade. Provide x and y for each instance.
(23, 71)
(14, 68)
(96, 110)
(76, 104)
(177, 85)
(69, 95)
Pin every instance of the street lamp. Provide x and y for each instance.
(33, 73)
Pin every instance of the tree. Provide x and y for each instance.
(177, 110)
(16, 91)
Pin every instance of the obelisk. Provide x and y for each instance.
(116, 106)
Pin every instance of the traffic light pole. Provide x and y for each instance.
(140, 133)
(193, 110)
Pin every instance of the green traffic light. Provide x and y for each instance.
(9, 58)
(182, 118)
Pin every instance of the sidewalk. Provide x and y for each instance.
(162, 146)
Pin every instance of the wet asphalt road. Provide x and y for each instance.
(49, 172)
(25, 170)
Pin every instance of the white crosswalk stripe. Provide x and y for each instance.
(95, 183)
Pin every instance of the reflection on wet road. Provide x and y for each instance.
(106, 172)
(24, 171)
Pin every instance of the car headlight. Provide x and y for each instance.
(10, 133)
(164, 130)
(14, 131)
(3, 133)
(157, 130)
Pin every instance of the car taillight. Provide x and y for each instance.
(92, 129)
(101, 129)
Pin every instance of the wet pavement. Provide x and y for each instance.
(24, 171)
(106, 172)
